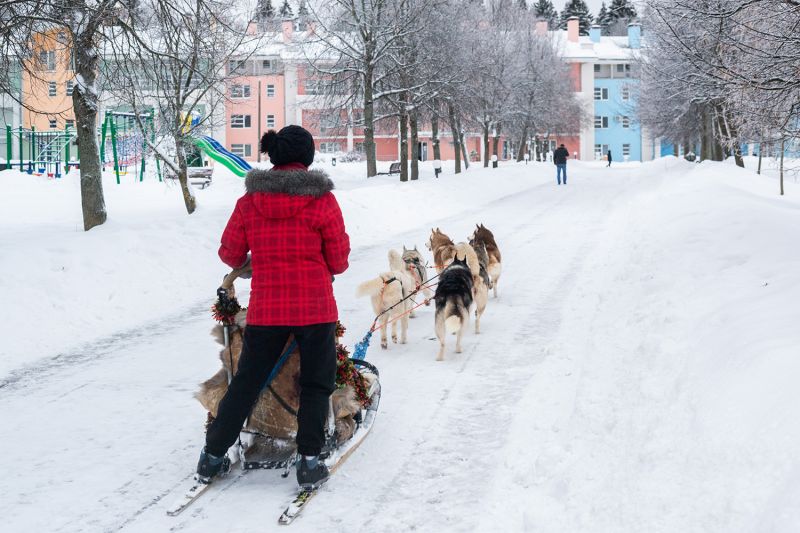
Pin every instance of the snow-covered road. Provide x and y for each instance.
(618, 384)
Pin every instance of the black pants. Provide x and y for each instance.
(262, 348)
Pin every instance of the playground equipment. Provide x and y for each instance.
(48, 151)
(218, 153)
(128, 145)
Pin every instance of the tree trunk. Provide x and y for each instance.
(783, 149)
(369, 124)
(705, 142)
(437, 152)
(464, 154)
(495, 142)
(84, 101)
(403, 146)
(485, 144)
(414, 145)
(183, 175)
(760, 154)
(451, 113)
(522, 145)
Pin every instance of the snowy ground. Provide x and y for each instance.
(637, 373)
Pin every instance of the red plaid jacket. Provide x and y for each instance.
(291, 223)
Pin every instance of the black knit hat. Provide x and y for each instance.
(293, 144)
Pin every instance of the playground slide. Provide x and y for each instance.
(218, 153)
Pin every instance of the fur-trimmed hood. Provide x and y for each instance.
(292, 182)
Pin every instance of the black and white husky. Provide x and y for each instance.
(453, 299)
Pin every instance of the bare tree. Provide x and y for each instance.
(26, 24)
(172, 59)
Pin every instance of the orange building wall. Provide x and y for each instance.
(35, 86)
(249, 106)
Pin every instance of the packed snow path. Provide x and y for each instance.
(609, 389)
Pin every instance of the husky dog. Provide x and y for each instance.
(482, 283)
(444, 251)
(443, 248)
(387, 290)
(415, 264)
(483, 236)
(453, 299)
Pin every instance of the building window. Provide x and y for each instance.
(626, 122)
(69, 123)
(236, 66)
(47, 60)
(240, 121)
(312, 87)
(600, 122)
(600, 150)
(626, 93)
(359, 147)
(624, 69)
(240, 91)
(270, 121)
(626, 150)
(242, 150)
(270, 91)
(70, 87)
(600, 93)
(329, 147)
(266, 64)
(328, 123)
(597, 68)
(51, 89)
(53, 123)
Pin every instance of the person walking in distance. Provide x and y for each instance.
(560, 157)
(289, 226)
(609, 158)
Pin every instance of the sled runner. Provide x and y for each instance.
(267, 439)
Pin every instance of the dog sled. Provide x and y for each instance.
(267, 439)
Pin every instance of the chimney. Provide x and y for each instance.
(287, 27)
(594, 33)
(634, 35)
(573, 29)
(541, 27)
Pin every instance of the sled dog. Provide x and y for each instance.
(415, 264)
(453, 300)
(386, 291)
(444, 251)
(482, 235)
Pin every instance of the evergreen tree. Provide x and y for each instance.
(544, 9)
(265, 10)
(286, 10)
(522, 4)
(620, 14)
(302, 10)
(603, 18)
(577, 8)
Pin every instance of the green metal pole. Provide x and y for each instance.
(114, 148)
(20, 148)
(8, 146)
(144, 152)
(66, 150)
(103, 141)
(33, 146)
(153, 138)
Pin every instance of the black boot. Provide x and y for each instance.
(311, 472)
(211, 466)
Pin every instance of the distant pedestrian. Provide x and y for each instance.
(609, 158)
(560, 157)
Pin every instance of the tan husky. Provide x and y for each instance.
(443, 253)
(482, 236)
(387, 292)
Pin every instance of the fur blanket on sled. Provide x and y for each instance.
(275, 412)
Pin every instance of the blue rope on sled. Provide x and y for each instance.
(284, 356)
(360, 349)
